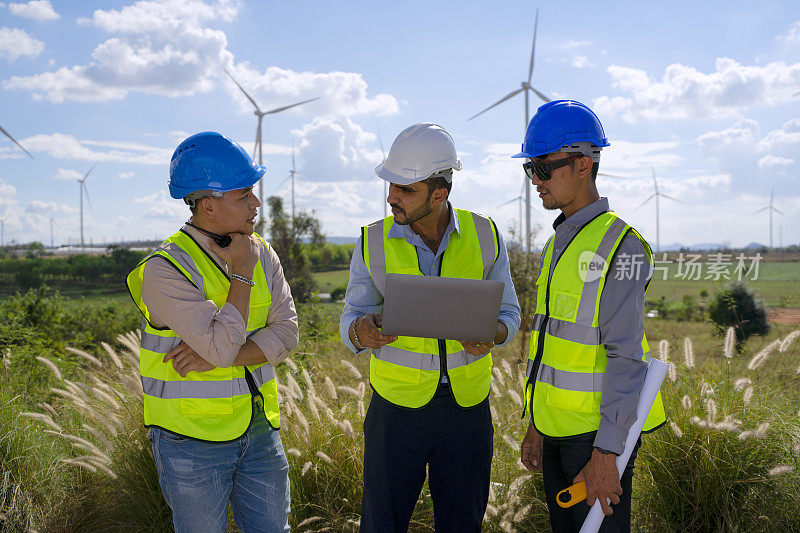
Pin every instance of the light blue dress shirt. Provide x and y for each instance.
(363, 298)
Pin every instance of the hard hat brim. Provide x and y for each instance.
(243, 183)
(383, 172)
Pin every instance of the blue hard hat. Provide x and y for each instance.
(211, 161)
(560, 123)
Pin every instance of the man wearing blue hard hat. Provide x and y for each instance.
(588, 355)
(218, 315)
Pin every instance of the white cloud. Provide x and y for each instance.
(572, 44)
(35, 9)
(49, 208)
(62, 146)
(168, 48)
(334, 148)
(68, 174)
(126, 175)
(792, 37)
(15, 42)
(160, 205)
(686, 93)
(774, 161)
(342, 93)
(580, 61)
(754, 159)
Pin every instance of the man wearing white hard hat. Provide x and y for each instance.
(429, 412)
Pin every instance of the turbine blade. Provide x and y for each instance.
(508, 202)
(284, 108)
(15, 142)
(760, 210)
(606, 174)
(380, 141)
(87, 173)
(670, 197)
(796, 94)
(83, 184)
(258, 136)
(648, 199)
(540, 95)
(503, 99)
(258, 109)
(778, 211)
(533, 46)
(282, 183)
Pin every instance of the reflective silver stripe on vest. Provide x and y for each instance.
(172, 390)
(574, 381)
(589, 295)
(568, 331)
(157, 343)
(462, 358)
(529, 369)
(263, 374)
(377, 255)
(408, 359)
(485, 240)
(160, 344)
(185, 260)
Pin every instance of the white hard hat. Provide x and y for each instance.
(417, 153)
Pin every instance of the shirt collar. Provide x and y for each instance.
(583, 215)
(398, 231)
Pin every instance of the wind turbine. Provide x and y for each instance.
(521, 200)
(771, 209)
(525, 87)
(81, 191)
(657, 195)
(257, 147)
(3, 231)
(15, 142)
(51, 232)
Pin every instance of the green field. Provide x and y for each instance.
(327, 281)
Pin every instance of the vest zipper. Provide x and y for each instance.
(442, 342)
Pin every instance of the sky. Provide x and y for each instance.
(698, 93)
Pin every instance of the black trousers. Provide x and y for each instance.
(453, 444)
(562, 460)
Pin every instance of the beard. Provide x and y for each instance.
(415, 215)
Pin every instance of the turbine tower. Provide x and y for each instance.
(3, 231)
(52, 219)
(656, 194)
(257, 147)
(771, 208)
(81, 191)
(15, 141)
(526, 88)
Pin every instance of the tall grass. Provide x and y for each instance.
(727, 459)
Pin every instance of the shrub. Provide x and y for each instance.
(737, 306)
(338, 293)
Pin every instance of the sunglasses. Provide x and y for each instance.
(543, 170)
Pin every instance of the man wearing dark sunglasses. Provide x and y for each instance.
(588, 356)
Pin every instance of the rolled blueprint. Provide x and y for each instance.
(652, 383)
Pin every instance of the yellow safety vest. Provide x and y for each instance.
(407, 371)
(567, 360)
(215, 405)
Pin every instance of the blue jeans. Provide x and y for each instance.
(199, 479)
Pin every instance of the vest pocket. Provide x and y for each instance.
(575, 401)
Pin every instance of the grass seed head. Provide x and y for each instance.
(788, 340)
(688, 353)
(52, 366)
(352, 368)
(780, 469)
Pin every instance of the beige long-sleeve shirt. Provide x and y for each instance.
(217, 333)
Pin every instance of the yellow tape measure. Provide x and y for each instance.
(571, 495)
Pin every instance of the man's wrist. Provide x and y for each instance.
(604, 451)
(354, 329)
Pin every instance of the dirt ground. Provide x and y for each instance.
(784, 316)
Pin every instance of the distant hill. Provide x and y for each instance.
(705, 247)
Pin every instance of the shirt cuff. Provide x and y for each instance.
(611, 438)
(233, 321)
(511, 331)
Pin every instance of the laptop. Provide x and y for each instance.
(441, 308)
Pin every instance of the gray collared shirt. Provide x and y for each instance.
(621, 321)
